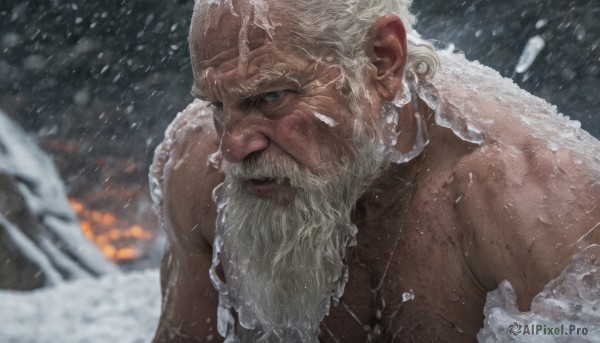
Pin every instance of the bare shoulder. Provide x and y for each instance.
(528, 198)
(529, 207)
(184, 178)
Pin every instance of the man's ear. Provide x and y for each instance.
(386, 47)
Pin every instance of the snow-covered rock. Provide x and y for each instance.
(41, 242)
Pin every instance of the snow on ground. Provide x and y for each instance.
(118, 308)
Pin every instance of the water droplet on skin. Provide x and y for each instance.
(552, 146)
(325, 119)
(407, 296)
(214, 160)
(545, 219)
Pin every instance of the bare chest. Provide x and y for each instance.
(408, 281)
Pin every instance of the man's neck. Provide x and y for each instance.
(396, 181)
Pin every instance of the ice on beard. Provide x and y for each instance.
(571, 300)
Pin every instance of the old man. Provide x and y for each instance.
(338, 181)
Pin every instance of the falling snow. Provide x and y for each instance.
(108, 76)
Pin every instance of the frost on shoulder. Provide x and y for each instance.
(473, 99)
(567, 309)
(193, 119)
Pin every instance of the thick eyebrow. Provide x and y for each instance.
(269, 79)
(257, 85)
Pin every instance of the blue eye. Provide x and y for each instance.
(273, 96)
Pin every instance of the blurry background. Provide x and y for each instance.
(98, 82)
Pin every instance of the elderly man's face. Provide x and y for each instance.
(290, 137)
(271, 101)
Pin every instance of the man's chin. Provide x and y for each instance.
(285, 242)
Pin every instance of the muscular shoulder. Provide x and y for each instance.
(535, 173)
(529, 207)
(182, 178)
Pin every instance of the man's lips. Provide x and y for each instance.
(267, 187)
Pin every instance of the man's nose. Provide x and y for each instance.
(241, 138)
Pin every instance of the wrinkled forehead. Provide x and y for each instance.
(225, 29)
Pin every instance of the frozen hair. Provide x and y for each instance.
(342, 27)
(336, 28)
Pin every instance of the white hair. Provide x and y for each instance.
(343, 26)
(333, 29)
(340, 27)
(284, 260)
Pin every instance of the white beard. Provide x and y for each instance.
(284, 260)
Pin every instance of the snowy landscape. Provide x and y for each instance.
(86, 298)
(118, 307)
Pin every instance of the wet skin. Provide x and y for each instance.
(440, 227)
(430, 232)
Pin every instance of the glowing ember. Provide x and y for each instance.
(116, 240)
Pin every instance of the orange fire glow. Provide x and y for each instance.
(115, 239)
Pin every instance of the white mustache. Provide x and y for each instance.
(277, 168)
